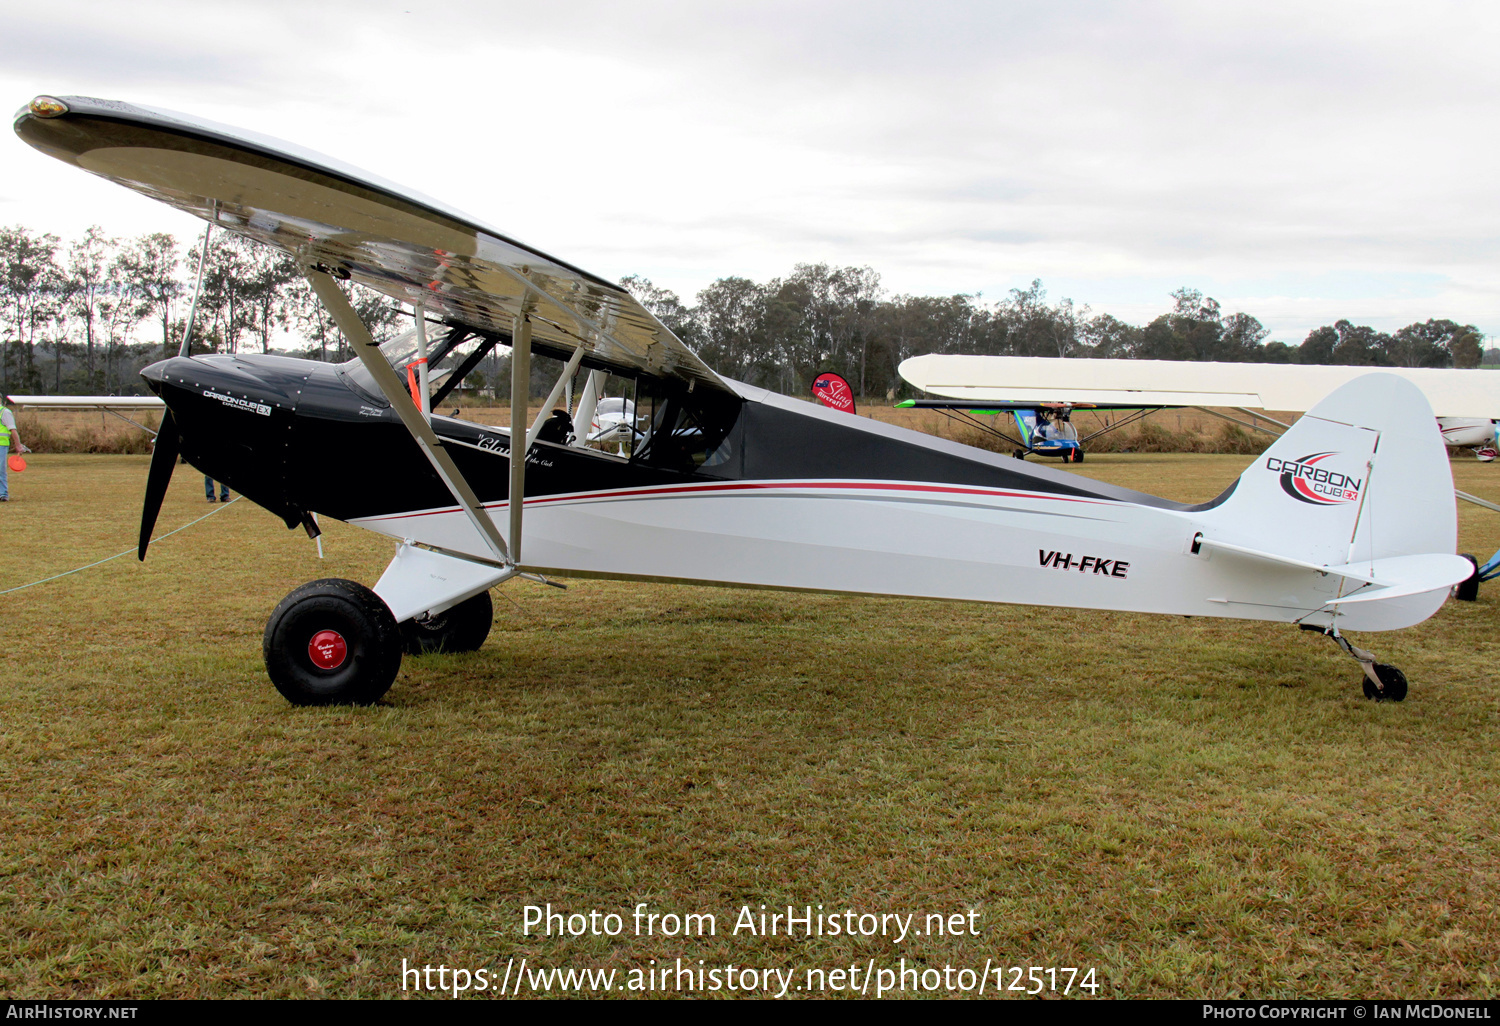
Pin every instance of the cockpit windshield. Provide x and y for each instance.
(447, 351)
(683, 430)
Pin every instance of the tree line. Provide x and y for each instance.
(782, 333)
(85, 316)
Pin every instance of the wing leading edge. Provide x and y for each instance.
(324, 213)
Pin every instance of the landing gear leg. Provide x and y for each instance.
(1383, 683)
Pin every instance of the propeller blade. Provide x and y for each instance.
(163, 459)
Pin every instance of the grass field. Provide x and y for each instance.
(1191, 807)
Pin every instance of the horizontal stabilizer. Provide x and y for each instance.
(1393, 576)
(1397, 576)
(1357, 573)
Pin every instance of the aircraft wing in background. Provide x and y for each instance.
(1267, 386)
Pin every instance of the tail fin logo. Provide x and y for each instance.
(1306, 480)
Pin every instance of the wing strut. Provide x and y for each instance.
(1476, 500)
(187, 334)
(420, 316)
(520, 389)
(400, 399)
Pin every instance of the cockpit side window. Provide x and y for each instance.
(688, 432)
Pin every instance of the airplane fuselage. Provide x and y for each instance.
(763, 491)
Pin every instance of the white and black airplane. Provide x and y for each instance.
(1346, 523)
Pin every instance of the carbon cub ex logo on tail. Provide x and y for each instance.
(1308, 480)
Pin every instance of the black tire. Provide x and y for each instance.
(359, 654)
(1467, 590)
(1077, 455)
(1020, 454)
(1392, 680)
(462, 628)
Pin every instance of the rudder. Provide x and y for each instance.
(1361, 478)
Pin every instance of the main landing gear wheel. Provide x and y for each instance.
(332, 642)
(1391, 679)
(461, 628)
(1077, 455)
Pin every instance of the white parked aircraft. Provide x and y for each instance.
(1467, 401)
(114, 405)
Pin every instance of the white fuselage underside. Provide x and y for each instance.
(908, 539)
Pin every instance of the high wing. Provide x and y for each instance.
(345, 221)
(1268, 386)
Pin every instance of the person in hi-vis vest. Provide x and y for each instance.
(8, 440)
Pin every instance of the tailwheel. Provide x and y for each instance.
(1392, 684)
(461, 628)
(1467, 590)
(332, 642)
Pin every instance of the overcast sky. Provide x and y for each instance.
(1301, 162)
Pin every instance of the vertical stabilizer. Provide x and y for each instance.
(1362, 477)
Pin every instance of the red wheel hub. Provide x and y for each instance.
(327, 650)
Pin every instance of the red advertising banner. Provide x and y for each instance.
(832, 390)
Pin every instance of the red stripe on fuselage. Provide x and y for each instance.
(735, 486)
